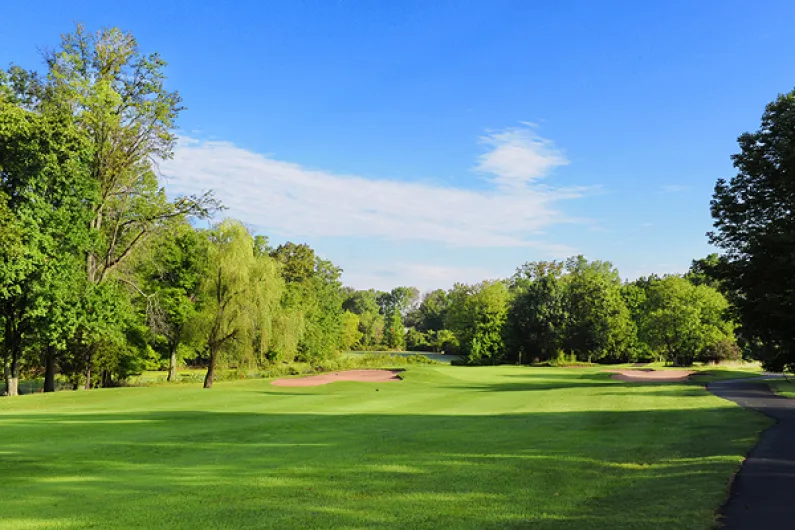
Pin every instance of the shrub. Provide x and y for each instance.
(723, 350)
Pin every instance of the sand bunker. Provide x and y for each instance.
(366, 376)
(652, 376)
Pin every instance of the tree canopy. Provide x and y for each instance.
(754, 220)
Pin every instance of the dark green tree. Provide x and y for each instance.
(754, 220)
(46, 192)
(538, 314)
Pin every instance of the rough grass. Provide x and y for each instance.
(448, 447)
(784, 387)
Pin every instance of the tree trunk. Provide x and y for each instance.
(49, 369)
(208, 379)
(172, 364)
(13, 381)
(6, 374)
(87, 385)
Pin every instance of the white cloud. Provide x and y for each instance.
(423, 276)
(286, 199)
(518, 156)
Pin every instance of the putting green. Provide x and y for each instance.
(452, 447)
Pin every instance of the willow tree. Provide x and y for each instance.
(241, 292)
(119, 101)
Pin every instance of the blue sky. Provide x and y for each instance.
(424, 143)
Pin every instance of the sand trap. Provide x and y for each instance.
(366, 376)
(652, 376)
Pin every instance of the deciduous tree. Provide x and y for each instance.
(754, 220)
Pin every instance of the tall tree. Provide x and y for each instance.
(394, 334)
(45, 192)
(538, 313)
(239, 287)
(314, 294)
(477, 315)
(171, 273)
(599, 325)
(119, 100)
(371, 321)
(754, 220)
(682, 321)
(430, 313)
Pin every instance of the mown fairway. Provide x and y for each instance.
(447, 447)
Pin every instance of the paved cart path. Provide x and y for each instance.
(763, 492)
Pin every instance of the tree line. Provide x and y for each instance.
(102, 275)
(577, 310)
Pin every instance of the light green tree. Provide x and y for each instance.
(171, 271)
(683, 320)
(118, 99)
(350, 334)
(477, 316)
(599, 323)
(238, 296)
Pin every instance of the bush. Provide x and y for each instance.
(724, 350)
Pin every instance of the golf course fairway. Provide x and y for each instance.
(446, 447)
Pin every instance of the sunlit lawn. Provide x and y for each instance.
(784, 387)
(448, 447)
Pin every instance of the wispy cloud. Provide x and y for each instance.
(286, 199)
(423, 276)
(518, 156)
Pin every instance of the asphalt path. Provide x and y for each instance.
(762, 495)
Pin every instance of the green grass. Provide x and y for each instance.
(722, 374)
(784, 387)
(438, 357)
(448, 447)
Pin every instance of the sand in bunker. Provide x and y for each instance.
(652, 376)
(366, 376)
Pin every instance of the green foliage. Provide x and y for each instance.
(477, 315)
(394, 334)
(753, 216)
(417, 340)
(430, 314)
(575, 307)
(681, 321)
(599, 324)
(371, 321)
(45, 192)
(536, 324)
(171, 271)
(350, 331)
(721, 351)
(238, 296)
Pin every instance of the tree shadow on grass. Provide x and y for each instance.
(639, 469)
